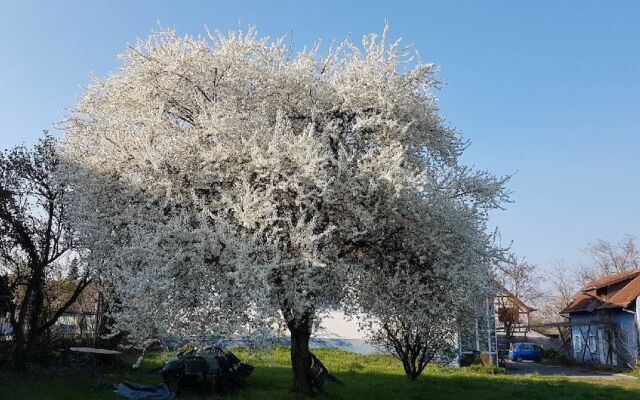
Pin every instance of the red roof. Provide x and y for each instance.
(625, 296)
(611, 291)
(609, 280)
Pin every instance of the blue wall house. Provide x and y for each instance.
(604, 320)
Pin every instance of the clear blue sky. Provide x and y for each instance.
(548, 89)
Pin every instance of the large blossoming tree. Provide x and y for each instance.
(225, 183)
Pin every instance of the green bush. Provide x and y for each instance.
(566, 360)
(469, 359)
(485, 360)
(549, 354)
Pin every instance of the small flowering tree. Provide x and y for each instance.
(424, 282)
(225, 183)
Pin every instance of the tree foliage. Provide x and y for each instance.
(35, 243)
(429, 278)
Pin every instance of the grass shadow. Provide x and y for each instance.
(365, 377)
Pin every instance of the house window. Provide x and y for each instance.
(593, 344)
(577, 344)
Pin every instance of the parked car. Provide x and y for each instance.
(525, 351)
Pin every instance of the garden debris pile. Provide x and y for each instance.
(320, 374)
(190, 370)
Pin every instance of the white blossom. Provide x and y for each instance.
(225, 182)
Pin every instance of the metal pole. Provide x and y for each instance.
(495, 335)
(477, 336)
(489, 331)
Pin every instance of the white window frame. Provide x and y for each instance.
(593, 343)
(577, 343)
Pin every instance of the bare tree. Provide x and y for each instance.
(610, 258)
(521, 278)
(35, 240)
(563, 284)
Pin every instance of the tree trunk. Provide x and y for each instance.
(19, 332)
(19, 356)
(410, 370)
(301, 356)
(34, 302)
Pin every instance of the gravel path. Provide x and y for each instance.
(527, 367)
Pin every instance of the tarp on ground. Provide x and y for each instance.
(138, 391)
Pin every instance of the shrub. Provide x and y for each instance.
(485, 359)
(467, 359)
(550, 354)
(566, 360)
(480, 369)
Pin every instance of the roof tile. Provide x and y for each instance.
(587, 299)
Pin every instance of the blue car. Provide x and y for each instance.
(525, 351)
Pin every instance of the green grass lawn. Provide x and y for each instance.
(365, 377)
